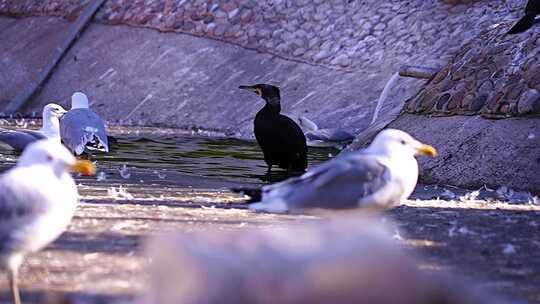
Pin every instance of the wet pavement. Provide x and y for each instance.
(181, 184)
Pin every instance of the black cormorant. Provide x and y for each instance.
(282, 141)
(526, 22)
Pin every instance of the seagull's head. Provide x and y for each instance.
(267, 92)
(53, 110)
(79, 101)
(51, 153)
(397, 142)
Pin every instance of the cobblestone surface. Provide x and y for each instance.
(344, 34)
(493, 75)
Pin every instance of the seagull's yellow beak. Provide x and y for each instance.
(83, 167)
(427, 150)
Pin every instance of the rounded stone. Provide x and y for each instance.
(529, 102)
(427, 100)
(455, 101)
(443, 100)
(323, 54)
(341, 60)
(513, 90)
(467, 101)
(299, 52)
(493, 103)
(486, 87)
(441, 75)
(478, 102)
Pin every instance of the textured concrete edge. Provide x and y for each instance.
(475, 151)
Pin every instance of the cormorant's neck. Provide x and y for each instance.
(272, 105)
(272, 108)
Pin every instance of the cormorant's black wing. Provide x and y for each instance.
(296, 140)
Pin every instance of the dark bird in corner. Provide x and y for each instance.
(526, 22)
(282, 141)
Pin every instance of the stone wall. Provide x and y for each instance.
(494, 75)
(342, 34)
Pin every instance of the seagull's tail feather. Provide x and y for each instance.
(95, 143)
(523, 24)
(255, 194)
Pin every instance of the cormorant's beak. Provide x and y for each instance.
(83, 167)
(252, 89)
(427, 150)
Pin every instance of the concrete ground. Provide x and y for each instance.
(99, 259)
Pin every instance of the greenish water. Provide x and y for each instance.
(211, 157)
(232, 159)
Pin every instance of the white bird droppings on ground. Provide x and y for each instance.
(119, 194)
(509, 249)
(124, 172)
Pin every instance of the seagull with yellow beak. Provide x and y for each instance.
(37, 201)
(379, 177)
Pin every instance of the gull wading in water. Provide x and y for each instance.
(19, 139)
(37, 201)
(83, 129)
(379, 177)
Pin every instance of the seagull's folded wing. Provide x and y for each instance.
(345, 182)
(79, 127)
(16, 139)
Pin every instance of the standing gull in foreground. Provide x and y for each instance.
(83, 129)
(37, 200)
(526, 22)
(19, 139)
(282, 141)
(380, 177)
(317, 137)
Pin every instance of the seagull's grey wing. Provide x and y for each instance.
(82, 128)
(16, 139)
(333, 135)
(18, 208)
(35, 133)
(344, 182)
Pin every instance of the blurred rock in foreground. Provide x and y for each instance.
(337, 262)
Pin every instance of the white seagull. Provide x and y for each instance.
(380, 177)
(37, 201)
(81, 128)
(19, 139)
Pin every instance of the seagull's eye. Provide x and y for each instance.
(49, 158)
(403, 142)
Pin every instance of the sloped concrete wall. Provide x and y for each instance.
(331, 58)
(138, 76)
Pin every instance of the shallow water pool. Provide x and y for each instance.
(231, 159)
